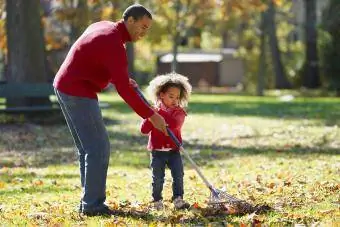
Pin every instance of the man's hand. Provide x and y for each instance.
(133, 83)
(158, 122)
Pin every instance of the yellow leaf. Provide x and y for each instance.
(2, 184)
(106, 13)
(278, 2)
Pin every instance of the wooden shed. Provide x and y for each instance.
(205, 68)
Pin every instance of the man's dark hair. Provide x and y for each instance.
(136, 11)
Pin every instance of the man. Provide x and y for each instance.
(97, 58)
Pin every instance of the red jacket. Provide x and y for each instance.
(96, 59)
(157, 140)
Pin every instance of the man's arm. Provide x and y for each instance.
(118, 69)
(115, 61)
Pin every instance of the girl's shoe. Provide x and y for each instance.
(158, 205)
(180, 204)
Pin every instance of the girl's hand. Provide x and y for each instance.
(133, 83)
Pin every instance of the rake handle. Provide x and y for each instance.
(180, 146)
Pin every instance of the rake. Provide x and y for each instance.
(219, 199)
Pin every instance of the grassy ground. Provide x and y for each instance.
(283, 154)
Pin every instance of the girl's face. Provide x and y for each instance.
(170, 98)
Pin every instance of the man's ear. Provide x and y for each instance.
(130, 20)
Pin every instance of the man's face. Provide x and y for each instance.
(138, 28)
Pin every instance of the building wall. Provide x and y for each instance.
(199, 73)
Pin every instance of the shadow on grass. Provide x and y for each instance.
(130, 150)
(45, 118)
(32, 175)
(37, 190)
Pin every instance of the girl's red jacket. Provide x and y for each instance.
(158, 140)
(96, 59)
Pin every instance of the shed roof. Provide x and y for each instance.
(192, 57)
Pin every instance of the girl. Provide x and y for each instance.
(170, 94)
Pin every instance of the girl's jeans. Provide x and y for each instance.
(84, 119)
(159, 160)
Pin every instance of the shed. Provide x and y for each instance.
(205, 68)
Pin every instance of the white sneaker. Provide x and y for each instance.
(158, 205)
(179, 203)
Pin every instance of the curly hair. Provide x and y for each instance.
(162, 83)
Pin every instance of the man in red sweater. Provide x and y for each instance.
(96, 59)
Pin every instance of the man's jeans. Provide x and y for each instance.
(159, 160)
(84, 119)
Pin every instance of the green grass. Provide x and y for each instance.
(284, 154)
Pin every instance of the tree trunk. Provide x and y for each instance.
(175, 38)
(80, 21)
(262, 61)
(281, 81)
(311, 77)
(26, 48)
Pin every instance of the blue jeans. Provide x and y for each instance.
(159, 160)
(84, 119)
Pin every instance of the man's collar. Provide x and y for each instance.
(122, 28)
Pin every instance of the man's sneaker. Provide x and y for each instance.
(102, 211)
(180, 204)
(158, 205)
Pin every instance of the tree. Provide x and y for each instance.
(178, 19)
(262, 61)
(281, 81)
(331, 48)
(311, 77)
(26, 47)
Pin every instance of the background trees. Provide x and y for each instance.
(266, 34)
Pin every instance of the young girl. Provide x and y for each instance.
(170, 94)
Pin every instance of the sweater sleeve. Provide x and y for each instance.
(146, 126)
(175, 118)
(116, 62)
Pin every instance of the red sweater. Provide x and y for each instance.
(96, 59)
(158, 140)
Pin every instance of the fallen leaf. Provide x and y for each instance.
(196, 206)
(326, 211)
(38, 182)
(270, 185)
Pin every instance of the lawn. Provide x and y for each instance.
(282, 154)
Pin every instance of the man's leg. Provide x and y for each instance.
(89, 129)
(81, 152)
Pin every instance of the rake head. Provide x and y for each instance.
(223, 201)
